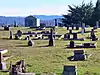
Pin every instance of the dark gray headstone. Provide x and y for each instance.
(67, 27)
(70, 31)
(72, 44)
(30, 43)
(69, 70)
(51, 41)
(74, 35)
(79, 55)
(11, 35)
(6, 28)
(72, 27)
(77, 27)
(16, 37)
(19, 33)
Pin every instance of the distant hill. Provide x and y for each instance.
(20, 20)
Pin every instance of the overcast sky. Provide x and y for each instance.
(37, 7)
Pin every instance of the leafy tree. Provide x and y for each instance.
(96, 13)
(78, 14)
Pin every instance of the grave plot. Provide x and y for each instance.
(79, 55)
(84, 45)
(70, 70)
(75, 37)
(19, 69)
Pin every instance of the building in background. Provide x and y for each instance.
(32, 21)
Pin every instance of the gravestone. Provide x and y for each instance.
(27, 38)
(16, 37)
(11, 35)
(30, 33)
(97, 24)
(72, 44)
(19, 67)
(74, 35)
(51, 41)
(30, 43)
(70, 31)
(67, 27)
(79, 55)
(94, 38)
(6, 28)
(83, 25)
(68, 36)
(72, 27)
(82, 32)
(65, 37)
(77, 27)
(92, 33)
(19, 33)
(70, 70)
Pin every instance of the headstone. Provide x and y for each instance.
(70, 31)
(83, 25)
(74, 35)
(70, 70)
(51, 41)
(6, 28)
(30, 33)
(79, 55)
(16, 37)
(27, 38)
(97, 24)
(72, 27)
(71, 44)
(65, 37)
(77, 27)
(92, 33)
(68, 36)
(82, 32)
(19, 33)
(30, 43)
(67, 27)
(11, 35)
(1, 57)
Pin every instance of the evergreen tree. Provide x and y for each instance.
(96, 13)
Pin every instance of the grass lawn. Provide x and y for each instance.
(44, 59)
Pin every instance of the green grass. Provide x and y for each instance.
(44, 59)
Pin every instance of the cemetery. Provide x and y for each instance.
(50, 57)
(67, 45)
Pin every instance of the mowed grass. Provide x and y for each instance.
(43, 59)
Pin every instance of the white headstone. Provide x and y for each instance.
(82, 32)
(83, 25)
(97, 24)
